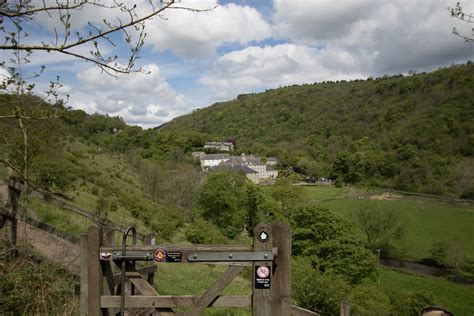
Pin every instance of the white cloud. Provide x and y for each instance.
(312, 22)
(139, 98)
(399, 34)
(199, 34)
(273, 66)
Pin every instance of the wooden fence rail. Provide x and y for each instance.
(15, 185)
(269, 258)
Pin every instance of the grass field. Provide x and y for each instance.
(459, 299)
(195, 279)
(428, 220)
(316, 192)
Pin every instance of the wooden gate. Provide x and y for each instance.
(269, 258)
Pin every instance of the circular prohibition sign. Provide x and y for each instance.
(159, 255)
(263, 272)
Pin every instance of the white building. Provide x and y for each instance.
(222, 146)
(213, 160)
(252, 166)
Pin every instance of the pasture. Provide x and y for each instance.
(457, 298)
(427, 220)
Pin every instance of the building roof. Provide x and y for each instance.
(269, 168)
(215, 156)
(234, 167)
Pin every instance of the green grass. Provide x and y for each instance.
(428, 221)
(195, 279)
(69, 222)
(316, 192)
(457, 298)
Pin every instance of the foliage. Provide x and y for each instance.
(30, 288)
(287, 195)
(411, 133)
(321, 292)
(165, 223)
(331, 243)
(368, 299)
(230, 202)
(448, 253)
(203, 232)
(383, 228)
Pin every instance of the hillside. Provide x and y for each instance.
(412, 133)
(148, 179)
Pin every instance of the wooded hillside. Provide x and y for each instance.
(412, 133)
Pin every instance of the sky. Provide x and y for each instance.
(194, 59)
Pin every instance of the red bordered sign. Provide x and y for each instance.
(159, 255)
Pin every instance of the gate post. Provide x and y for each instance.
(13, 203)
(281, 282)
(94, 271)
(83, 278)
(262, 297)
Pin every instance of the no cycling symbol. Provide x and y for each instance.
(262, 277)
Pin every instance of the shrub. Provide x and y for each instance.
(203, 232)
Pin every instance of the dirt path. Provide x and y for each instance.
(53, 248)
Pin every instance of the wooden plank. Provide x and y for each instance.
(262, 298)
(142, 284)
(144, 272)
(83, 277)
(211, 294)
(40, 225)
(94, 274)
(299, 311)
(173, 301)
(48, 198)
(281, 280)
(179, 248)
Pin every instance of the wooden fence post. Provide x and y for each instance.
(345, 308)
(262, 297)
(83, 278)
(14, 205)
(94, 273)
(281, 282)
(107, 268)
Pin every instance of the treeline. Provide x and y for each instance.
(413, 133)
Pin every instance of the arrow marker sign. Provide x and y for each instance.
(263, 236)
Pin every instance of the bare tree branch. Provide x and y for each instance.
(458, 12)
(25, 10)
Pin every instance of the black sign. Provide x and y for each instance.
(262, 277)
(174, 256)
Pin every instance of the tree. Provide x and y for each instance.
(288, 196)
(383, 228)
(87, 42)
(317, 291)
(221, 198)
(331, 243)
(68, 38)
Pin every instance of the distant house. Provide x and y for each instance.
(198, 154)
(222, 146)
(251, 174)
(272, 161)
(213, 160)
(252, 166)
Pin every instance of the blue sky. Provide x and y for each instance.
(197, 59)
